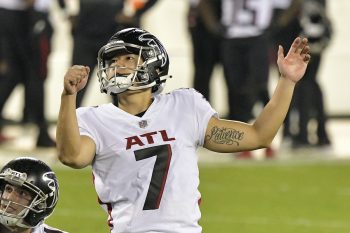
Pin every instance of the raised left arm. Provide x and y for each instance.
(233, 136)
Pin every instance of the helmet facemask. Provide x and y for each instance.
(117, 79)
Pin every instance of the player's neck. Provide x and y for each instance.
(135, 102)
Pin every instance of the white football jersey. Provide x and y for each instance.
(43, 228)
(13, 4)
(248, 18)
(145, 169)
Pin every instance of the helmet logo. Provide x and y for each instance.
(147, 37)
(52, 186)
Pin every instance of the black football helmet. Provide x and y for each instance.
(34, 176)
(153, 72)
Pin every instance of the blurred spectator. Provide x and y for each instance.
(14, 30)
(95, 22)
(26, 34)
(309, 19)
(40, 34)
(132, 12)
(285, 26)
(205, 31)
(3, 70)
(316, 26)
(244, 53)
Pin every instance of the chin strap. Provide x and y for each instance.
(123, 84)
(161, 79)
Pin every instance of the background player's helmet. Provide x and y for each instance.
(36, 177)
(315, 25)
(153, 72)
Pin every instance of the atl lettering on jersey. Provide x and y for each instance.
(147, 138)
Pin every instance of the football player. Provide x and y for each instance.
(28, 195)
(143, 151)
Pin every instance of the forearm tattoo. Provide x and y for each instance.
(225, 136)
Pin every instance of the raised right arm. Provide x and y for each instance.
(74, 150)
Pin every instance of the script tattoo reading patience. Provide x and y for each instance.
(225, 136)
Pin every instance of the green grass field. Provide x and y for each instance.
(247, 198)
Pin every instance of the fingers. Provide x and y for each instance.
(280, 54)
(300, 46)
(304, 50)
(87, 69)
(76, 73)
(74, 76)
(305, 53)
(295, 45)
(81, 71)
(307, 58)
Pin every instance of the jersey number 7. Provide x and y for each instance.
(159, 174)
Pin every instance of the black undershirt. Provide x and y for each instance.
(140, 114)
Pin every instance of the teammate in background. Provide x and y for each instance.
(206, 38)
(285, 26)
(316, 25)
(143, 152)
(244, 55)
(28, 195)
(25, 32)
(308, 18)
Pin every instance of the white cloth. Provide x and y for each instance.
(42, 5)
(13, 4)
(248, 18)
(39, 5)
(127, 148)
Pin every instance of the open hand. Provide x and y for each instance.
(293, 66)
(75, 79)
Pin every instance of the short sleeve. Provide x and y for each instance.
(203, 112)
(85, 118)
